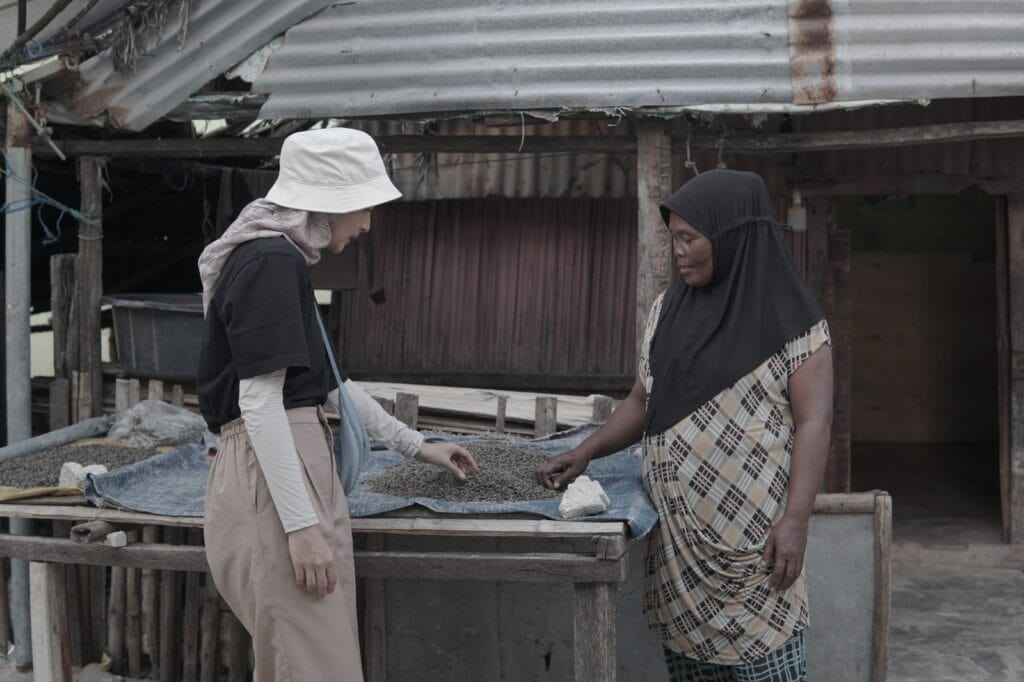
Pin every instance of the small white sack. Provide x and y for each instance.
(72, 474)
(583, 497)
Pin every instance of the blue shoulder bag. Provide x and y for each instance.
(351, 442)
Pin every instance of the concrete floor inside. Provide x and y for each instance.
(958, 588)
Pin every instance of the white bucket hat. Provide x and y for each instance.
(332, 170)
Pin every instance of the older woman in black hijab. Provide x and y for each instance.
(733, 409)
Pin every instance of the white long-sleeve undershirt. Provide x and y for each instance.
(261, 401)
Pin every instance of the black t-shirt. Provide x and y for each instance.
(261, 319)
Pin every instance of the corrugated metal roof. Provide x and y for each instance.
(220, 33)
(392, 57)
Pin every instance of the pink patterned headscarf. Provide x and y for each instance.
(308, 232)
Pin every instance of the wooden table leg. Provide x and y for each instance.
(375, 620)
(51, 650)
(594, 642)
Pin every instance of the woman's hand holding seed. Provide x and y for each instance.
(448, 456)
(560, 470)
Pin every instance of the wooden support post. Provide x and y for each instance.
(60, 404)
(156, 390)
(134, 393)
(883, 588)
(150, 606)
(133, 617)
(62, 529)
(837, 471)
(115, 618)
(209, 649)
(375, 630)
(170, 615)
(82, 574)
(545, 417)
(654, 184)
(594, 632)
(1015, 288)
(90, 282)
(190, 629)
(98, 609)
(63, 312)
(177, 396)
(51, 654)
(407, 407)
(121, 404)
(238, 651)
(603, 405)
(5, 605)
(499, 417)
(1003, 363)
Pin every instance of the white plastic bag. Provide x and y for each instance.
(154, 423)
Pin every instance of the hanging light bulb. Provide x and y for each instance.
(796, 213)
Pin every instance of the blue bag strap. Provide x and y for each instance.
(327, 344)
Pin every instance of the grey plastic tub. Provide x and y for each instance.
(157, 335)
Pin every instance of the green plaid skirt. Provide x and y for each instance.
(788, 663)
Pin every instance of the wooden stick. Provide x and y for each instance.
(170, 615)
(115, 619)
(209, 651)
(499, 417)
(545, 421)
(177, 396)
(134, 392)
(602, 408)
(51, 653)
(407, 407)
(156, 390)
(150, 606)
(190, 615)
(133, 619)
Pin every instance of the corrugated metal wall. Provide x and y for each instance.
(500, 293)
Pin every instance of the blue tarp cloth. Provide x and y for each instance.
(174, 483)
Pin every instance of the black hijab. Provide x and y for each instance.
(710, 337)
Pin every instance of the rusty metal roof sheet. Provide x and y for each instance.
(394, 57)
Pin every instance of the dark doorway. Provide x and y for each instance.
(924, 368)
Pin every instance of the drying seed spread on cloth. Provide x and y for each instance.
(506, 474)
(42, 469)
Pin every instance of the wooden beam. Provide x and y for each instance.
(654, 249)
(375, 630)
(742, 143)
(525, 567)
(837, 471)
(1003, 362)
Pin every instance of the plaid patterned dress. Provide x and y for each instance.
(719, 479)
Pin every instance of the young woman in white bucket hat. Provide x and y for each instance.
(277, 531)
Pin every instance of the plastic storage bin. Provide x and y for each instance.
(158, 335)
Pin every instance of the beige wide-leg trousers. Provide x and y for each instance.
(296, 637)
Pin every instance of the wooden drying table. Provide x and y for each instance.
(594, 569)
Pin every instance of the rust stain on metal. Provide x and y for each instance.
(812, 52)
